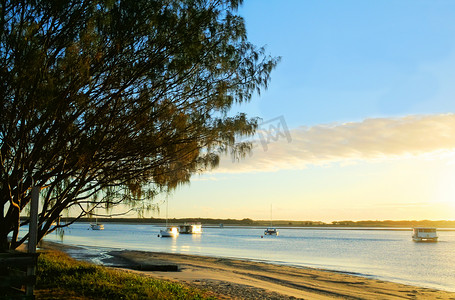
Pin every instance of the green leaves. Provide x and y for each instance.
(126, 95)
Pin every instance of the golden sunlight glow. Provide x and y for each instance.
(445, 193)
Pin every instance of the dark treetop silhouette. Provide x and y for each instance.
(108, 102)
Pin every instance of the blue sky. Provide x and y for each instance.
(366, 89)
(347, 60)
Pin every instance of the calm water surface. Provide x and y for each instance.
(383, 254)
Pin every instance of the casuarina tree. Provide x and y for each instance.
(108, 102)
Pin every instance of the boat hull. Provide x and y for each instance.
(169, 232)
(425, 240)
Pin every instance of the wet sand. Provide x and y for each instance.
(241, 279)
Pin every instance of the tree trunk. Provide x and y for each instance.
(4, 245)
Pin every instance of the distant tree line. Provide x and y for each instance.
(278, 223)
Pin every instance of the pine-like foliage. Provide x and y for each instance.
(112, 101)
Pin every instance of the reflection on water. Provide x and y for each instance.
(196, 238)
(60, 232)
(383, 254)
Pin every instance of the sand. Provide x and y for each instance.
(242, 279)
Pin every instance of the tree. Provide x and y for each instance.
(108, 101)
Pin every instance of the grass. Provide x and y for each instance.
(61, 277)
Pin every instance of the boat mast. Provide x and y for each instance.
(271, 225)
(167, 205)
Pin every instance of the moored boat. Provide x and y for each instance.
(271, 231)
(424, 234)
(190, 228)
(171, 231)
(97, 226)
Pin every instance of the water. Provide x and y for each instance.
(382, 254)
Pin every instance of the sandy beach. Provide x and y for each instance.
(242, 279)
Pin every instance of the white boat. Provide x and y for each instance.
(271, 230)
(424, 234)
(97, 226)
(171, 231)
(190, 228)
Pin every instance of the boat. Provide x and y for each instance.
(424, 234)
(96, 225)
(190, 228)
(169, 231)
(271, 230)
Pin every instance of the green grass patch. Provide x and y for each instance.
(58, 274)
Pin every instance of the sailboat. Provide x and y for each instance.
(271, 230)
(97, 226)
(169, 231)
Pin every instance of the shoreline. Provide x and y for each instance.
(231, 278)
(209, 222)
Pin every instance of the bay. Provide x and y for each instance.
(383, 254)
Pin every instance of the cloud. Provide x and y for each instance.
(372, 139)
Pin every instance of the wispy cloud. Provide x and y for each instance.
(371, 139)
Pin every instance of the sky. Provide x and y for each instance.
(358, 122)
